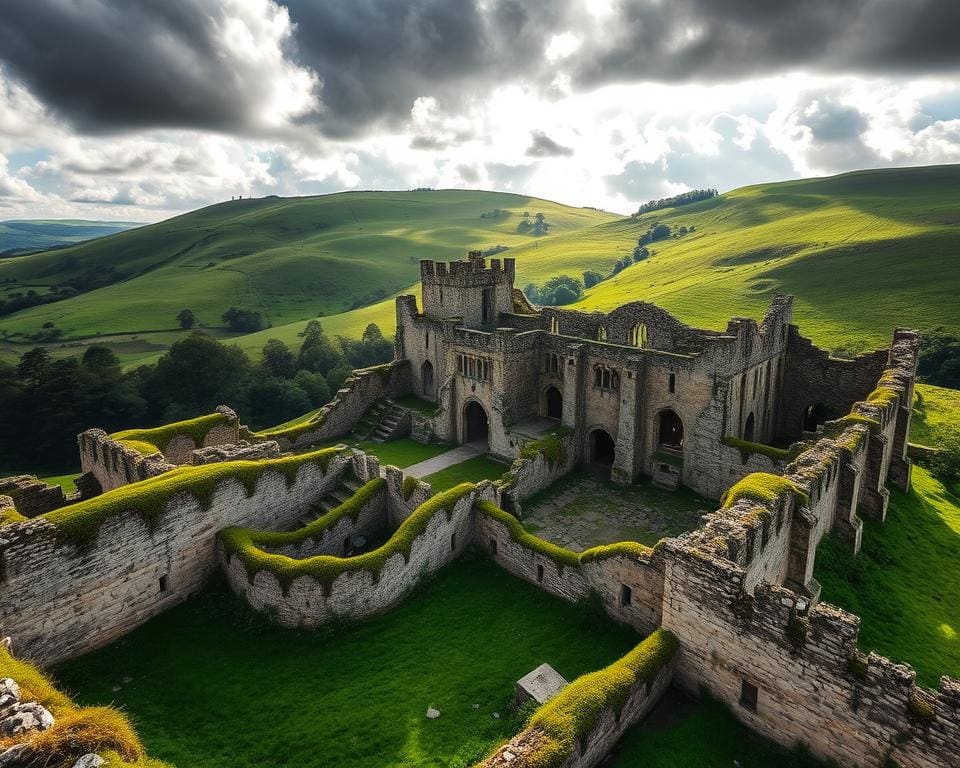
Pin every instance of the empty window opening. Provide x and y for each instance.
(539, 573)
(626, 595)
(346, 546)
(748, 696)
(815, 415)
(554, 326)
(670, 430)
(672, 383)
(554, 403)
(453, 541)
(493, 546)
(638, 335)
(602, 333)
(602, 448)
(163, 584)
(487, 310)
(606, 378)
(749, 428)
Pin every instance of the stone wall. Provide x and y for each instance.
(113, 464)
(33, 497)
(532, 474)
(368, 586)
(61, 599)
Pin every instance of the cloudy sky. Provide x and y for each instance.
(138, 109)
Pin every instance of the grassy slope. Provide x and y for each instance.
(34, 234)
(935, 409)
(289, 258)
(206, 692)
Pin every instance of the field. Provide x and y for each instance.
(862, 252)
(208, 687)
(287, 258)
(36, 234)
(935, 409)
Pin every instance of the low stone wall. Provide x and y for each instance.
(86, 574)
(310, 594)
(337, 418)
(579, 727)
(540, 464)
(32, 496)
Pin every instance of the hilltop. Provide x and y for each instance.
(862, 251)
(286, 258)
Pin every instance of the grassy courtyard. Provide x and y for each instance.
(209, 686)
(470, 471)
(580, 511)
(681, 732)
(905, 585)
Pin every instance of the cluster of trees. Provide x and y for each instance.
(81, 283)
(684, 198)
(939, 358)
(496, 213)
(242, 320)
(538, 226)
(558, 290)
(45, 403)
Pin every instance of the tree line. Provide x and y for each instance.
(684, 198)
(46, 402)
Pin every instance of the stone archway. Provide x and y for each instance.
(669, 430)
(603, 449)
(426, 379)
(476, 425)
(553, 403)
(815, 415)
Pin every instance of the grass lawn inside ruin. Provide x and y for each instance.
(208, 685)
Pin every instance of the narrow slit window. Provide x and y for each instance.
(672, 383)
(748, 695)
(626, 595)
(539, 574)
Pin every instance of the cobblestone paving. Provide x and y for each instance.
(580, 512)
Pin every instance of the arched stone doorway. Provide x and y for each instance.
(426, 377)
(669, 431)
(749, 428)
(602, 448)
(815, 415)
(476, 426)
(553, 401)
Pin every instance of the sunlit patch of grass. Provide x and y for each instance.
(470, 471)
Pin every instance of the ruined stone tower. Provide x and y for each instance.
(468, 289)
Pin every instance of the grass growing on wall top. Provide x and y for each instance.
(905, 584)
(762, 487)
(244, 543)
(79, 523)
(574, 712)
(159, 437)
(355, 697)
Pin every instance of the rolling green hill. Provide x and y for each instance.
(863, 252)
(37, 234)
(287, 258)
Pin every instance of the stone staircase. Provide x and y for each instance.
(347, 486)
(384, 421)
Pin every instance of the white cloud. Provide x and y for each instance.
(562, 46)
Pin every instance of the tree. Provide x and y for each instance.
(640, 253)
(187, 319)
(242, 320)
(591, 278)
(338, 375)
(279, 360)
(315, 386)
(316, 352)
(33, 364)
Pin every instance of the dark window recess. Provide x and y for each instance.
(539, 573)
(346, 544)
(748, 696)
(453, 541)
(626, 595)
(493, 546)
(163, 583)
(672, 383)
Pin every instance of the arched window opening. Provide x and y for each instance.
(606, 378)
(554, 326)
(815, 415)
(553, 401)
(602, 448)
(638, 336)
(749, 428)
(426, 375)
(669, 430)
(476, 426)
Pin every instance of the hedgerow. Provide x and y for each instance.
(763, 487)
(159, 437)
(244, 543)
(576, 710)
(79, 523)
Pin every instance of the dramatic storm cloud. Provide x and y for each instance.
(141, 108)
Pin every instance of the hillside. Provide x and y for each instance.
(35, 234)
(287, 258)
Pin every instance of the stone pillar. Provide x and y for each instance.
(802, 553)
(874, 499)
(572, 386)
(900, 466)
(629, 442)
(847, 526)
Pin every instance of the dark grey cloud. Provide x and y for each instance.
(468, 173)
(542, 145)
(114, 65)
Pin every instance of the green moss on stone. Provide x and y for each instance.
(160, 437)
(747, 448)
(797, 630)
(921, 709)
(141, 447)
(294, 431)
(762, 487)
(559, 555)
(617, 549)
(857, 665)
(409, 486)
(553, 447)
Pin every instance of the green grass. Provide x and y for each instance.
(414, 403)
(470, 471)
(905, 585)
(403, 452)
(288, 258)
(935, 410)
(681, 732)
(65, 481)
(209, 689)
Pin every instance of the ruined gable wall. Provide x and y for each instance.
(114, 464)
(61, 601)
